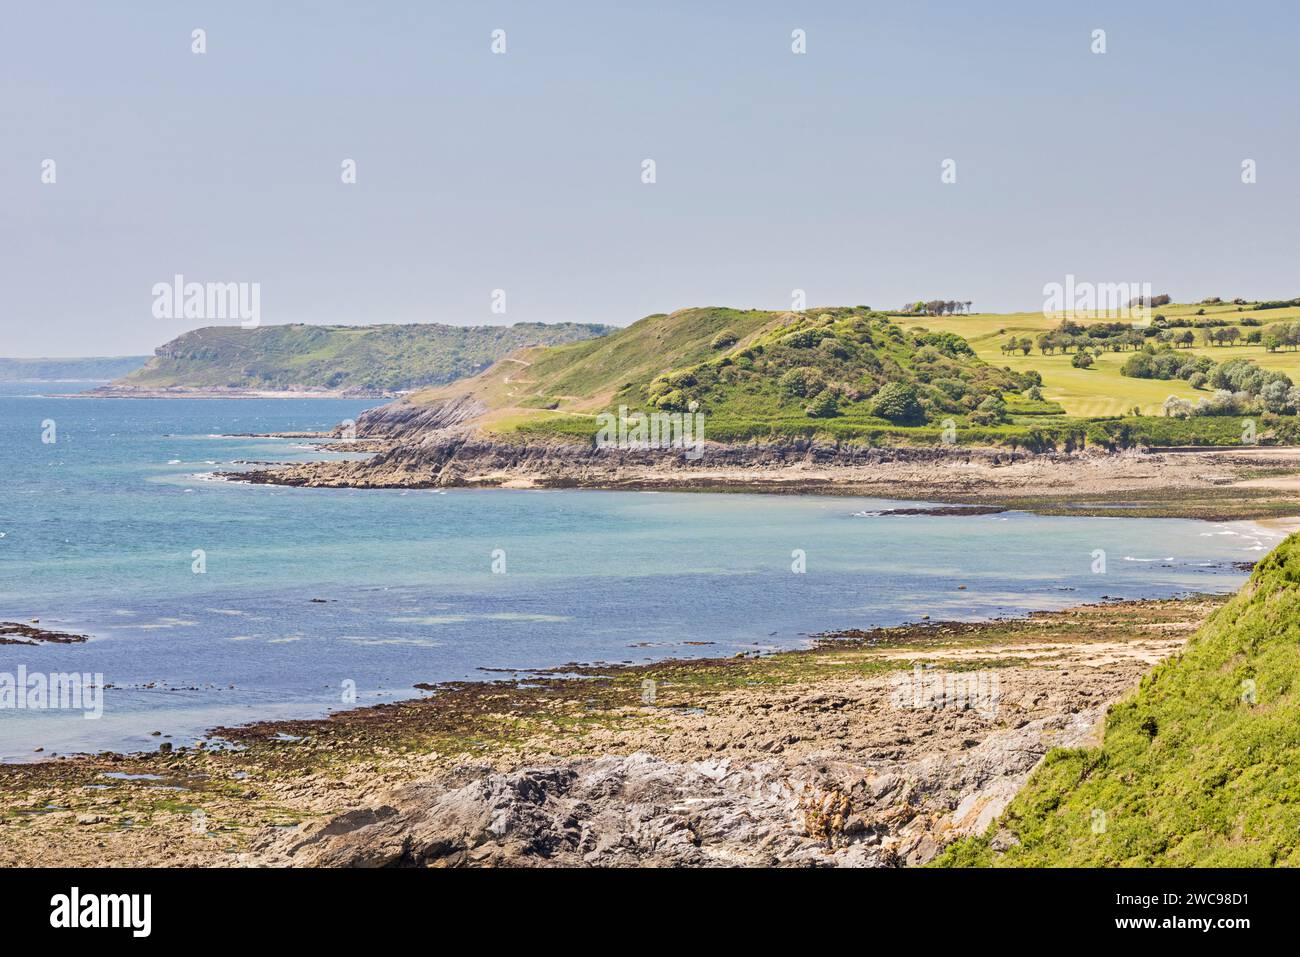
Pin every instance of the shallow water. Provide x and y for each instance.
(100, 529)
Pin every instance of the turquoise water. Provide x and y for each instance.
(100, 528)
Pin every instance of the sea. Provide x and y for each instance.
(212, 603)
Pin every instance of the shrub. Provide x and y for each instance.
(804, 382)
(724, 339)
(825, 406)
(836, 348)
(674, 401)
(806, 338)
(897, 403)
(991, 411)
(1082, 360)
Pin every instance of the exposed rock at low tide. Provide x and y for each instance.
(16, 633)
(639, 810)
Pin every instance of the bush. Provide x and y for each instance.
(897, 403)
(991, 411)
(1223, 402)
(803, 383)
(825, 406)
(834, 347)
(724, 339)
(1082, 360)
(674, 401)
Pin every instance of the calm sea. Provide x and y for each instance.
(101, 528)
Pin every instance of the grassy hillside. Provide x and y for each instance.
(371, 359)
(1101, 390)
(1201, 766)
(837, 373)
(753, 372)
(99, 369)
(586, 377)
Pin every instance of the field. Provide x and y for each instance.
(1101, 390)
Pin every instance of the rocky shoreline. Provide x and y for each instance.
(855, 752)
(432, 448)
(16, 633)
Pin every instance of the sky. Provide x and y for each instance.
(522, 171)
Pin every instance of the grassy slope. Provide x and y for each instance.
(1190, 771)
(585, 378)
(1101, 390)
(375, 358)
(560, 390)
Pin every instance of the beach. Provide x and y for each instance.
(874, 748)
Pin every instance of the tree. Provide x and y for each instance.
(1139, 366)
(1276, 395)
(1081, 360)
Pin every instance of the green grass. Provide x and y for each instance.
(1200, 767)
(586, 377)
(1033, 432)
(1101, 390)
(732, 364)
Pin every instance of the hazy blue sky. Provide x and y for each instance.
(523, 171)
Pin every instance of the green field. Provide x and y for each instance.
(1101, 390)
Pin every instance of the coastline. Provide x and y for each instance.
(809, 747)
(778, 738)
(1216, 485)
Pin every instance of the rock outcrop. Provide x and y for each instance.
(639, 810)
